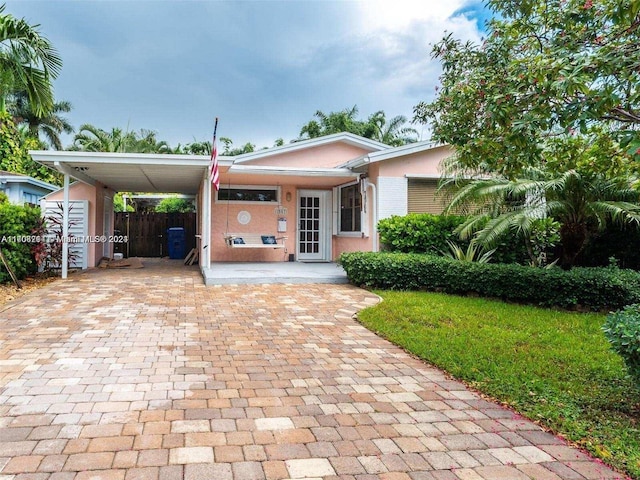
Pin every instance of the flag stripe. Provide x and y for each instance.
(214, 172)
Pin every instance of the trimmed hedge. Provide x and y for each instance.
(590, 288)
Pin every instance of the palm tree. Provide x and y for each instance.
(51, 125)
(93, 139)
(376, 127)
(393, 133)
(146, 141)
(581, 202)
(334, 122)
(28, 62)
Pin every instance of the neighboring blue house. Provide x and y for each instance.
(23, 189)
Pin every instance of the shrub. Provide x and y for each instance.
(17, 221)
(622, 329)
(420, 233)
(592, 288)
(175, 205)
(427, 233)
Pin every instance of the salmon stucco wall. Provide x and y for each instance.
(264, 221)
(95, 197)
(424, 163)
(323, 156)
(343, 244)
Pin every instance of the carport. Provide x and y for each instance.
(135, 172)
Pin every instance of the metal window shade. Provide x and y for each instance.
(422, 196)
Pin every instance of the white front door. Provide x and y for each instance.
(314, 225)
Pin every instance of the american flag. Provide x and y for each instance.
(213, 164)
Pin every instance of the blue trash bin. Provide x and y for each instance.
(176, 242)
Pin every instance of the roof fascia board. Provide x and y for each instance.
(391, 153)
(345, 137)
(29, 180)
(426, 176)
(404, 150)
(44, 156)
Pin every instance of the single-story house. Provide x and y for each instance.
(21, 189)
(315, 198)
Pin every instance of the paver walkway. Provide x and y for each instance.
(148, 374)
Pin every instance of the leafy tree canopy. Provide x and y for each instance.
(229, 150)
(14, 153)
(175, 205)
(547, 68)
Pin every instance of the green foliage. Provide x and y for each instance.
(622, 329)
(28, 62)
(545, 68)
(118, 203)
(14, 153)
(175, 205)
(542, 237)
(17, 221)
(229, 150)
(376, 127)
(554, 367)
(419, 232)
(616, 241)
(194, 148)
(51, 125)
(591, 288)
(93, 139)
(582, 201)
(473, 253)
(428, 233)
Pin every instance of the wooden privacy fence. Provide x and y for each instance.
(147, 232)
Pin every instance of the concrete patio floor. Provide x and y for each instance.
(227, 273)
(149, 374)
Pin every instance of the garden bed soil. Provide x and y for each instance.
(8, 291)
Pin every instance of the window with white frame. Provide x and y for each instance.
(350, 208)
(248, 194)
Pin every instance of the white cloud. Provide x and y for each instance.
(263, 67)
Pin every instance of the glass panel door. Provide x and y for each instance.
(311, 226)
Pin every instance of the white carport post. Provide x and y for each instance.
(65, 227)
(206, 211)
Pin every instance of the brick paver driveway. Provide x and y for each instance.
(147, 374)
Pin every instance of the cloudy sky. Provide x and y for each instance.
(263, 67)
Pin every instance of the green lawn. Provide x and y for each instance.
(552, 366)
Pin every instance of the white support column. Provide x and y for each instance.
(206, 212)
(65, 227)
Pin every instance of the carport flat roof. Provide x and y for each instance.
(132, 172)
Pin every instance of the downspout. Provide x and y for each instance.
(374, 213)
